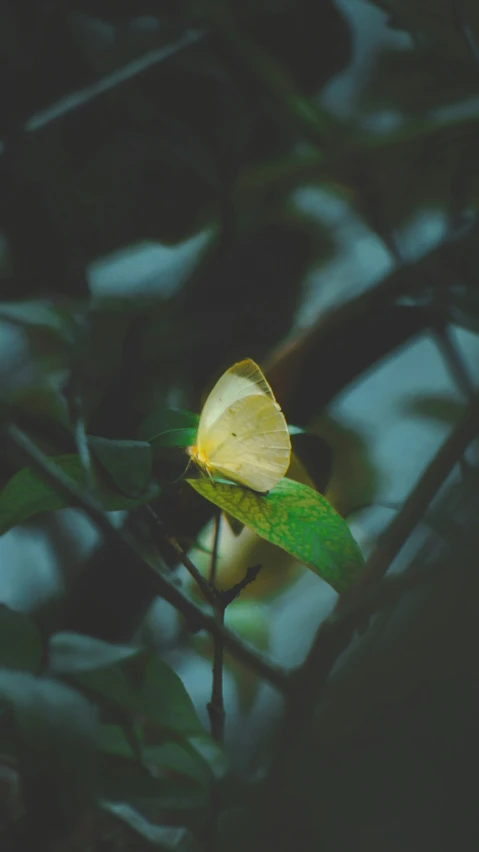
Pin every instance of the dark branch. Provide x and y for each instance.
(335, 632)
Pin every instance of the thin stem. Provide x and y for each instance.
(76, 100)
(207, 589)
(454, 362)
(216, 541)
(216, 707)
(83, 449)
(195, 616)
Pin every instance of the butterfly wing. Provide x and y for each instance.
(249, 443)
(241, 380)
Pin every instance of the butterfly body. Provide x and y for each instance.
(242, 434)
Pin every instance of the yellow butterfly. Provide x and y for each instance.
(242, 434)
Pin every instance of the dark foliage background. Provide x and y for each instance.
(197, 123)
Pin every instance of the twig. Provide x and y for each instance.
(216, 541)
(229, 595)
(61, 483)
(404, 280)
(216, 707)
(454, 362)
(76, 100)
(209, 592)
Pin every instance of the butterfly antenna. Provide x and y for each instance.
(178, 478)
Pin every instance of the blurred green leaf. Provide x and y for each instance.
(71, 653)
(145, 685)
(40, 314)
(20, 641)
(178, 760)
(138, 682)
(167, 420)
(434, 22)
(26, 494)
(169, 838)
(114, 740)
(174, 438)
(417, 81)
(56, 731)
(42, 402)
(127, 462)
(127, 780)
(297, 519)
(397, 175)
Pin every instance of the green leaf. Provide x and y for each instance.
(114, 740)
(20, 641)
(127, 462)
(27, 494)
(174, 438)
(178, 760)
(71, 653)
(39, 314)
(138, 682)
(132, 679)
(162, 697)
(297, 519)
(56, 730)
(173, 839)
(127, 779)
(167, 420)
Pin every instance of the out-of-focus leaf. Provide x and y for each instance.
(297, 519)
(167, 420)
(113, 740)
(126, 779)
(138, 682)
(174, 438)
(20, 641)
(26, 494)
(168, 838)
(56, 730)
(162, 697)
(177, 760)
(127, 462)
(41, 402)
(416, 81)
(39, 314)
(411, 170)
(133, 679)
(72, 653)
(434, 22)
